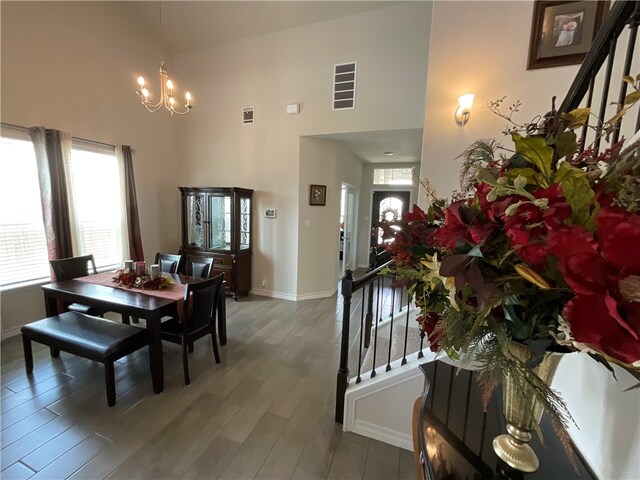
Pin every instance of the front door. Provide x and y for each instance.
(387, 206)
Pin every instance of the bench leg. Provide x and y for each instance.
(28, 354)
(126, 319)
(111, 383)
(54, 352)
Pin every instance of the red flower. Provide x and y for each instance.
(428, 325)
(461, 226)
(605, 275)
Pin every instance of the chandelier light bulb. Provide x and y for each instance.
(167, 99)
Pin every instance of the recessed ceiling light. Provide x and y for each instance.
(389, 154)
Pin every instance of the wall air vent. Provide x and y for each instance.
(344, 86)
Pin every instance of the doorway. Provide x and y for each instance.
(348, 215)
(389, 206)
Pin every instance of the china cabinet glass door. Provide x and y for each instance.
(195, 220)
(245, 223)
(220, 222)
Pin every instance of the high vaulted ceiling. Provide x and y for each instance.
(189, 25)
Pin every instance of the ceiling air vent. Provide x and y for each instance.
(344, 86)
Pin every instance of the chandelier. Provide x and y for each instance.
(167, 98)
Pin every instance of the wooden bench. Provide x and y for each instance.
(89, 337)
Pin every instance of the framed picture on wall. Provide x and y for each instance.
(317, 195)
(562, 32)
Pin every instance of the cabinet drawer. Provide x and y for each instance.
(223, 262)
(228, 277)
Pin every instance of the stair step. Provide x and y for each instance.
(397, 348)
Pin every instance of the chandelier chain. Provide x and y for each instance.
(161, 32)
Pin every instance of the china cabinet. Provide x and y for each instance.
(216, 222)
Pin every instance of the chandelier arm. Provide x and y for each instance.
(153, 108)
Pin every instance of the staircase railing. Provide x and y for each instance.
(379, 298)
(622, 14)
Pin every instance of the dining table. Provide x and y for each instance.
(99, 290)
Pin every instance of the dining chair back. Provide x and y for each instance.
(73, 267)
(168, 262)
(198, 266)
(198, 319)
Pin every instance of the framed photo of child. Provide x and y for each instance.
(562, 32)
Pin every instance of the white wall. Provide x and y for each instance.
(481, 47)
(364, 215)
(73, 66)
(295, 66)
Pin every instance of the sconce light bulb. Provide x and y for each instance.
(140, 81)
(169, 84)
(466, 101)
(187, 96)
(145, 92)
(172, 100)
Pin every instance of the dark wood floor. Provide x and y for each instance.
(265, 412)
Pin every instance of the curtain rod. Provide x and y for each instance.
(26, 129)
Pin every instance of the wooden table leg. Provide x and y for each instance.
(50, 304)
(222, 317)
(156, 362)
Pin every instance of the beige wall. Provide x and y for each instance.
(295, 66)
(481, 47)
(73, 66)
(322, 162)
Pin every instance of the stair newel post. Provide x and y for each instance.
(369, 317)
(359, 378)
(343, 370)
(406, 332)
(393, 298)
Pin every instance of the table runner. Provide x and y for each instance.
(175, 291)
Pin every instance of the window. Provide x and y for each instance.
(23, 248)
(95, 191)
(393, 176)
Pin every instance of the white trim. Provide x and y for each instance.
(313, 296)
(384, 434)
(11, 332)
(272, 294)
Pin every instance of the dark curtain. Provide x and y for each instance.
(133, 219)
(53, 191)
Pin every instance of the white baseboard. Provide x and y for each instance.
(291, 296)
(384, 434)
(11, 332)
(272, 294)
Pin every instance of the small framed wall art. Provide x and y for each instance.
(270, 212)
(318, 195)
(562, 32)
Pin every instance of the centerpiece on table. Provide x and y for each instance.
(538, 254)
(128, 278)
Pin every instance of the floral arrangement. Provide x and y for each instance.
(540, 247)
(129, 279)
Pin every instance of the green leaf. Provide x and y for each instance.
(578, 193)
(536, 151)
(632, 98)
(576, 118)
(530, 174)
(566, 144)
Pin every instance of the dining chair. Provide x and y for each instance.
(198, 319)
(74, 267)
(197, 266)
(168, 262)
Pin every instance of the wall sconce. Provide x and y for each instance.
(463, 112)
